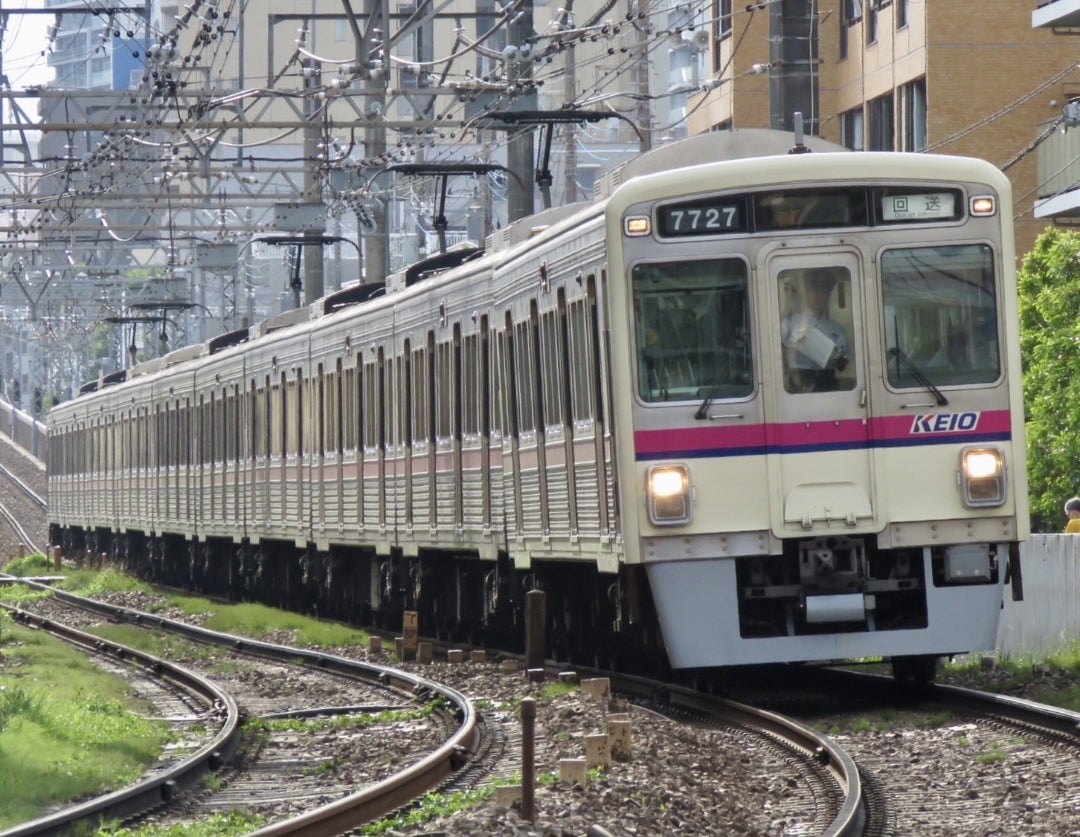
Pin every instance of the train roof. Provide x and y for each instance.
(736, 144)
(678, 158)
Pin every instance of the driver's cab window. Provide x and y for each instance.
(692, 330)
(817, 330)
(941, 316)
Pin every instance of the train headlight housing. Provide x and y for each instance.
(983, 205)
(668, 494)
(637, 225)
(982, 476)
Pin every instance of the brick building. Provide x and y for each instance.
(970, 77)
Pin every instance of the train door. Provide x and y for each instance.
(820, 462)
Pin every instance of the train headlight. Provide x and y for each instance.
(983, 205)
(982, 476)
(637, 225)
(668, 494)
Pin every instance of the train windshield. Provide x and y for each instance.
(692, 330)
(816, 324)
(941, 317)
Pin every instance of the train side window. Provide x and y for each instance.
(276, 418)
(470, 386)
(503, 401)
(320, 394)
(349, 413)
(372, 407)
(444, 381)
(523, 380)
(202, 417)
(217, 420)
(293, 414)
(692, 330)
(420, 382)
(337, 408)
(456, 389)
(579, 359)
(238, 400)
(941, 315)
(552, 369)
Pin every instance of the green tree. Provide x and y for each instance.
(1049, 289)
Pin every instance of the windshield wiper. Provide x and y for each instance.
(703, 410)
(920, 376)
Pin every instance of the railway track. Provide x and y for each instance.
(943, 760)
(19, 503)
(939, 761)
(205, 720)
(297, 770)
(789, 753)
(25, 490)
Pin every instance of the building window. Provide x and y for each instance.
(881, 123)
(721, 10)
(722, 15)
(913, 116)
(850, 15)
(851, 129)
(872, 22)
(901, 13)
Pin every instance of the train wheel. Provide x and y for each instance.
(915, 671)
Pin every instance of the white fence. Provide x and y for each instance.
(23, 429)
(1049, 615)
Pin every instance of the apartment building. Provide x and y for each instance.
(969, 77)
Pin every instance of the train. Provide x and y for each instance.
(757, 402)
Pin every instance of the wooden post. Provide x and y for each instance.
(619, 737)
(528, 759)
(410, 634)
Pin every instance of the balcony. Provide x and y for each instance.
(1059, 176)
(1057, 14)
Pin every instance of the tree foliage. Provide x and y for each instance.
(1049, 289)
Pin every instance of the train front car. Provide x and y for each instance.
(826, 422)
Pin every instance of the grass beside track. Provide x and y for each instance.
(68, 730)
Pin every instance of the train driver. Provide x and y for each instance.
(815, 346)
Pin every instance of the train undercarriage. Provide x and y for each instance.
(592, 618)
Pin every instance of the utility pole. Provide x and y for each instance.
(312, 251)
(519, 150)
(570, 129)
(641, 74)
(375, 252)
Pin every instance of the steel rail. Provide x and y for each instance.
(814, 746)
(20, 532)
(23, 487)
(1051, 718)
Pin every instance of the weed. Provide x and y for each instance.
(935, 721)
(550, 691)
(432, 806)
(36, 564)
(231, 824)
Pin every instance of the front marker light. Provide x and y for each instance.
(668, 494)
(982, 476)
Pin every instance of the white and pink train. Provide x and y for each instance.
(746, 406)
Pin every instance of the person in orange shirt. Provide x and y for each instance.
(1072, 510)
